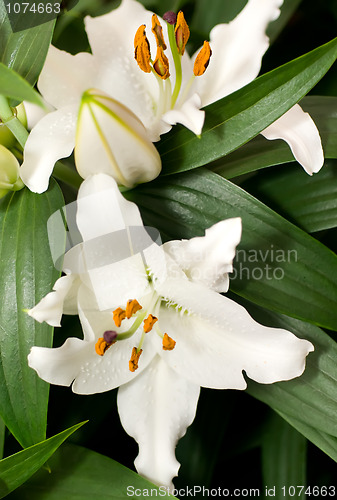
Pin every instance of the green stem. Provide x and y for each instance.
(67, 175)
(177, 63)
(12, 122)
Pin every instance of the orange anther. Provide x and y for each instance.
(135, 355)
(168, 343)
(161, 64)
(202, 60)
(149, 322)
(118, 316)
(132, 307)
(142, 49)
(182, 33)
(101, 346)
(157, 30)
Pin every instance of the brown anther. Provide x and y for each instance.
(118, 316)
(101, 346)
(202, 60)
(132, 307)
(157, 30)
(168, 343)
(161, 64)
(142, 49)
(182, 33)
(135, 355)
(149, 322)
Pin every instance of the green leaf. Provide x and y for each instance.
(283, 457)
(14, 86)
(311, 202)
(236, 119)
(78, 474)
(16, 469)
(276, 263)
(27, 274)
(222, 11)
(24, 51)
(261, 153)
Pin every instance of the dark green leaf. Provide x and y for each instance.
(27, 274)
(311, 202)
(276, 263)
(260, 153)
(239, 117)
(24, 51)
(288, 8)
(283, 457)
(81, 474)
(16, 469)
(14, 86)
(222, 11)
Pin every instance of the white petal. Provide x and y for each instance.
(237, 50)
(62, 300)
(60, 366)
(65, 77)
(111, 139)
(35, 113)
(189, 115)
(102, 209)
(208, 259)
(298, 129)
(219, 339)
(51, 139)
(111, 38)
(156, 409)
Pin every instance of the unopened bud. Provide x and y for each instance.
(7, 139)
(110, 139)
(9, 172)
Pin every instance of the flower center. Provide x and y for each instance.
(134, 309)
(178, 34)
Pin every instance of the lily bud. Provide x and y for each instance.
(9, 172)
(110, 139)
(7, 139)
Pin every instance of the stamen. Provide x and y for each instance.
(182, 33)
(168, 343)
(118, 316)
(110, 336)
(202, 60)
(161, 64)
(149, 322)
(170, 17)
(132, 307)
(157, 30)
(133, 363)
(142, 50)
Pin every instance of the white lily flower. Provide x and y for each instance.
(155, 324)
(170, 89)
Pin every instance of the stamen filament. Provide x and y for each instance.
(139, 319)
(177, 63)
(187, 88)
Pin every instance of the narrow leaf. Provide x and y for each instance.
(239, 117)
(24, 51)
(81, 474)
(276, 263)
(311, 202)
(284, 457)
(27, 274)
(14, 86)
(16, 469)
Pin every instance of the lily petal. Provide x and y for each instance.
(208, 259)
(65, 77)
(189, 115)
(155, 409)
(63, 300)
(219, 339)
(51, 139)
(237, 50)
(298, 129)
